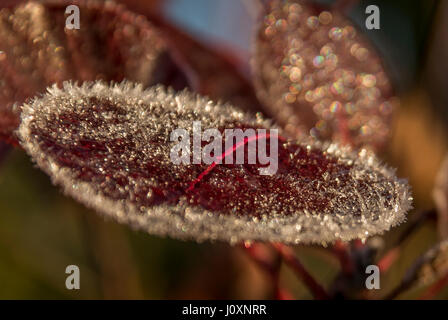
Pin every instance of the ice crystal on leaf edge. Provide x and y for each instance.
(376, 199)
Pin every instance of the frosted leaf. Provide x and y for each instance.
(36, 50)
(108, 146)
(435, 263)
(112, 44)
(318, 75)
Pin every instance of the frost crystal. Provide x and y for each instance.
(37, 51)
(108, 146)
(318, 75)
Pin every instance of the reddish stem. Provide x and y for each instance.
(387, 260)
(291, 260)
(435, 288)
(271, 267)
(255, 255)
(342, 253)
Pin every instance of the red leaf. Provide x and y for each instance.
(209, 72)
(320, 76)
(36, 50)
(112, 44)
(109, 147)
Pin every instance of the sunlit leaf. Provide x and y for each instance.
(36, 50)
(319, 75)
(109, 147)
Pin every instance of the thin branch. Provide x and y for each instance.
(411, 275)
(291, 260)
(343, 254)
(435, 288)
(387, 260)
(270, 266)
(262, 262)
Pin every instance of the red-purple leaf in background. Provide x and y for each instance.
(208, 71)
(36, 50)
(109, 147)
(318, 75)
